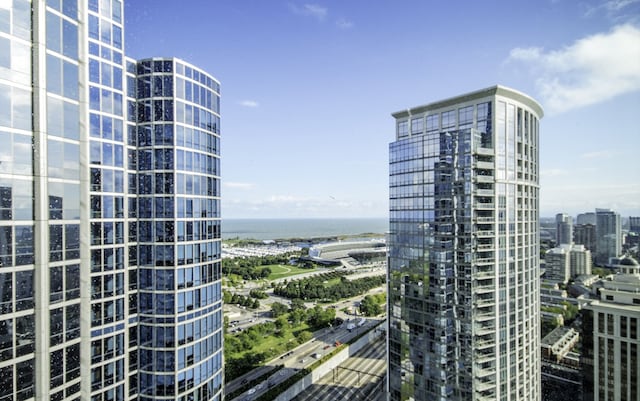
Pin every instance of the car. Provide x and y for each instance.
(244, 381)
(302, 360)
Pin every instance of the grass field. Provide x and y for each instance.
(282, 271)
(274, 344)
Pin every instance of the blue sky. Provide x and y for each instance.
(308, 88)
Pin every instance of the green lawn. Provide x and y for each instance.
(272, 345)
(282, 271)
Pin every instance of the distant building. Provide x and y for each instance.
(557, 264)
(564, 229)
(608, 235)
(586, 218)
(611, 368)
(627, 265)
(585, 234)
(634, 224)
(580, 261)
(567, 261)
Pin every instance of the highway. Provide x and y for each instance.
(358, 378)
(300, 357)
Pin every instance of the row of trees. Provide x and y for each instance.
(317, 288)
(237, 299)
(293, 326)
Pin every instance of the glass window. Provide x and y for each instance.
(448, 119)
(54, 32)
(70, 39)
(433, 123)
(417, 125)
(403, 128)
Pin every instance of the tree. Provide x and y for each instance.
(278, 309)
(297, 304)
(282, 325)
(303, 337)
(369, 307)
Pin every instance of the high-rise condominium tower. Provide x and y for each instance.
(109, 213)
(564, 229)
(464, 249)
(608, 235)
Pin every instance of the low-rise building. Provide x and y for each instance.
(557, 344)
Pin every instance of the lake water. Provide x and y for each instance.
(267, 229)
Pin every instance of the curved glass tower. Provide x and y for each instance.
(110, 284)
(463, 249)
(178, 210)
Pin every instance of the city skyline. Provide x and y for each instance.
(309, 88)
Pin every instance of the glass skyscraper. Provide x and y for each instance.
(110, 283)
(464, 249)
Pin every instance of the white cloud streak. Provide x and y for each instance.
(344, 24)
(310, 10)
(611, 7)
(591, 70)
(249, 103)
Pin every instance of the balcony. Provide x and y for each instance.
(484, 178)
(485, 233)
(484, 372)
(484, 274)
(484, 151)
(484, 329)
(484, 192)
(484, 205)
(484, 386)
(484, 290)
(484, 247)
(484, 165)
(485, 219)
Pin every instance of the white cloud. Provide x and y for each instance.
(611, 7)
(310, 10)
(601, 154)
(344, 24)
(591, 70)
(238, 185)
(249, 103)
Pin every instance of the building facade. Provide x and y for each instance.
(557, 262)
(586, 218)
(608, 235)
(564, 229)
(567, 261)
(110, 255)
(464, 304)
(580, 261)
(585, 234)
(612, 341)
